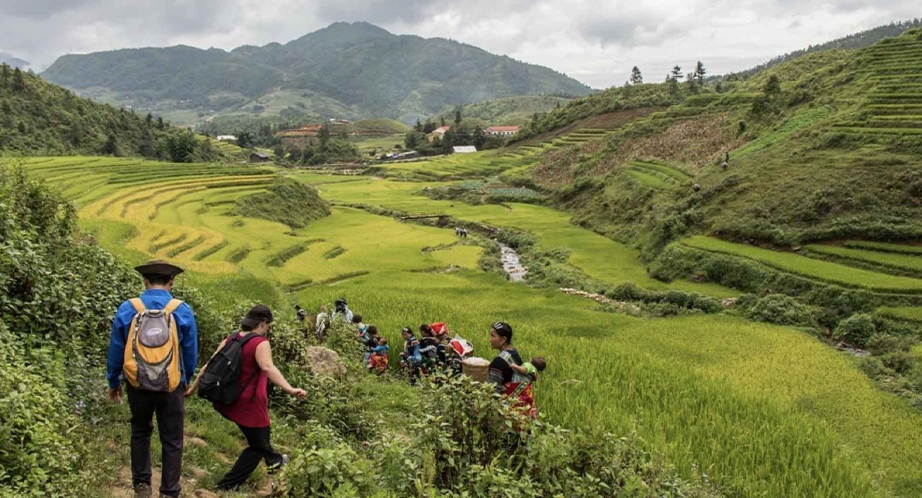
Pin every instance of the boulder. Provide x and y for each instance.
(325, 362)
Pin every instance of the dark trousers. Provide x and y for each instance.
(170, 411)
(259, 449)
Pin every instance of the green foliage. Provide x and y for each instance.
(57, 291)
(783, 310)
(329, 150)
(856, 329)
(287, 201)
(40, 118)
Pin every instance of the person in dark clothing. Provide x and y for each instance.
(410, 358)
(251, 410)
(516, 388)
(301, 313)
(145, 404)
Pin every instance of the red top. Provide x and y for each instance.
(252, 407)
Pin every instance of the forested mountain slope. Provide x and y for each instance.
(37, 117)
(355, 69)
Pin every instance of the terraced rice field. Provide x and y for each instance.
(820, 270)
(892, 107)
(763, 410)
(657, 175)
(902, 262)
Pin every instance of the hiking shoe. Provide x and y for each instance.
(142, 490)
(272, 469)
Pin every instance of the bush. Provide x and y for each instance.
(856, 329)
(782, 310)
(288, 201)
(40, 456)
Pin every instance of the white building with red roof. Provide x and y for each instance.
(502, 131)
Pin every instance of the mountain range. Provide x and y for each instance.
(13, 61)
(347, 70)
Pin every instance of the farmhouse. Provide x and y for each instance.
(438, 133)
(226, 138)
(463, 149)
(502, 131)
(259, 157)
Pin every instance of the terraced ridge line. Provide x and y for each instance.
(894, 261)
(909, 314)
(657, 175)
(281, 257)
(883, 247)
(893, 106)
(822, 271)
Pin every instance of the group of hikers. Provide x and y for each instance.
(153, 350)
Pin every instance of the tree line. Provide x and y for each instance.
(37, 117)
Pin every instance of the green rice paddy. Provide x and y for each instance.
(762, 410)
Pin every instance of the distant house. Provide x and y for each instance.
(502, 131)
(226, 138)
(260, 157)
(438, 133)
(463, 149)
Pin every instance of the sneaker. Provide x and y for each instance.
(142, 490)
(272, 469)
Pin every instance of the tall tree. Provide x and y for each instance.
(19, 83)
(676, 72)
(458, 116)
(5, 75)
(324, 135)
(636, 77)
(700, 72)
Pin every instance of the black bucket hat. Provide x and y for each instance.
(158, 267)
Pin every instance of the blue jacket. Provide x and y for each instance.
(185, 328)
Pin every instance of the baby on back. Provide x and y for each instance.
(531, 368)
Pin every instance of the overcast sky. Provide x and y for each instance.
(594, 41)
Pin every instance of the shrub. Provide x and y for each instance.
(782, 310)
(40, 455)
(856, 329)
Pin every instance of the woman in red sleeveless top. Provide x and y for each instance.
(251, 410)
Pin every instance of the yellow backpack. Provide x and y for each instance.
(152, 350)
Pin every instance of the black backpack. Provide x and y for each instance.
(220, 381)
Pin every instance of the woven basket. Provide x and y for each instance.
(476, 368)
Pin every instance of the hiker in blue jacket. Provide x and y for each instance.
(168, 406)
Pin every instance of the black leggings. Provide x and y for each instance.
(259, 449)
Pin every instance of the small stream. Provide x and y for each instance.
(511, 264)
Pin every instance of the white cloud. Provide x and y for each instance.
(594, 41)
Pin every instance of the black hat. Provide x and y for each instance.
(257, 315)
(503, 329)
(158, 267)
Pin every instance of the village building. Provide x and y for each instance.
(438, 133)
(463, 149)
(226, 138)
(260, 157)
(502, 131)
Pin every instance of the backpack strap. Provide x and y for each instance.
(138, 305)
(172, 305)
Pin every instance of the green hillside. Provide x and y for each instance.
(40, 118)
(355, 70)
